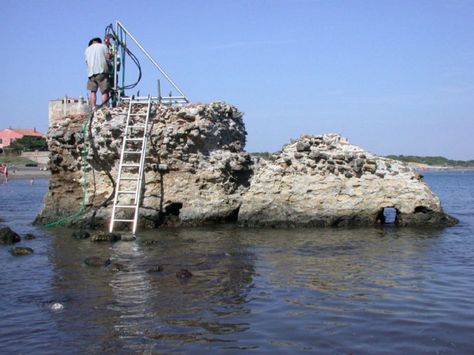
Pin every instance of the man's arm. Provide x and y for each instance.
(107, 53)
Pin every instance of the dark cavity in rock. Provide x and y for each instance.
(388, 215)
(233, 216)
(173, 208)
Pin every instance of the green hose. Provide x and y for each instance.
(61, 220)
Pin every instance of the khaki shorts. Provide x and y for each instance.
(99, 81)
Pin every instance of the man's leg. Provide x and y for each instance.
(104, 84)
(92, 86)
(105, 97)
(92, 99)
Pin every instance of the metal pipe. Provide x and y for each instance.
(119, 24)
(155, 97)
(123, 39)
(174, 98)
(159, 91)
(115, 49)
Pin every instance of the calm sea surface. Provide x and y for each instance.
(336, 291)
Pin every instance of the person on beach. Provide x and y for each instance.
(97, 55)
(4, 171)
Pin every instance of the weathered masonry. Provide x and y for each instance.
(197, 172)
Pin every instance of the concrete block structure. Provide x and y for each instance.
(60, 108)
(37, 156)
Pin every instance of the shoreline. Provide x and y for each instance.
(442, 169)
(26, 173)
(424, 167)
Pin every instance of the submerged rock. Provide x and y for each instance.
(127, 238)
(184, 274)
(155, 268)
(150, 242)
(80, 234)
(105, 237)
(117, 267)
(7, 236)
(29, 236)
(20, 251)
(426, 217)
(96, 261)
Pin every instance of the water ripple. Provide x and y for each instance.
(375, 290)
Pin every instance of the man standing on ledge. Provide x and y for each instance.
(97, 55)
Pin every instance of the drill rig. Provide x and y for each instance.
(116, 38)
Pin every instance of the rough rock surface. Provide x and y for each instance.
(197, 172)
(325, 181)
(196, 169)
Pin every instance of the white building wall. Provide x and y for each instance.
(60, 108)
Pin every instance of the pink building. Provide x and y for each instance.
(8, 135)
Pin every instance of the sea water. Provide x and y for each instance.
(335, 290)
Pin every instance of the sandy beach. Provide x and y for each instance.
(27, 173)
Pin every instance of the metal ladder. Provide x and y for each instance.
(129, 183)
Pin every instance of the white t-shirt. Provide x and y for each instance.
(96, 59)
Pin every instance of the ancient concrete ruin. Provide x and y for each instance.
(197, 172)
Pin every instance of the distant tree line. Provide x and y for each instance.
(437, 161)
(27, 144)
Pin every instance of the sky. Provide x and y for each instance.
(394, 77)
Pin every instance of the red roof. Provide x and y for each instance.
(27, 132)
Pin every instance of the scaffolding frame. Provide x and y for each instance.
(122, 34)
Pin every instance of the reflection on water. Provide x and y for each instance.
(139, 308)
(373, 290)
(261, 289)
